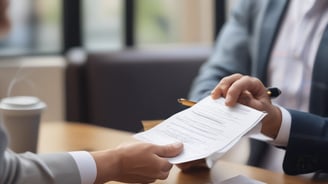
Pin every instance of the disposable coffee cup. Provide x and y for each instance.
(21, 116)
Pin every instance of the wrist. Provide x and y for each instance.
(272, 122)
(107, 163)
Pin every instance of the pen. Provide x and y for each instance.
(186, 102)
(271, 91)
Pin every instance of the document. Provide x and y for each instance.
(240, 179)
(207, 127)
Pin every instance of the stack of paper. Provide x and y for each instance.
(207, 127)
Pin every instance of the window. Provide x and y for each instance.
(102, 24)
(35, 27)
(54, 26)
(154, 23)
(167, 22)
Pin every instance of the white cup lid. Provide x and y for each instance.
(21, 102)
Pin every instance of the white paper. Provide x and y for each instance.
(207, 127)
(240, 179)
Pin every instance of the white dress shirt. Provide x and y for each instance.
(86, 165)
(291, 64)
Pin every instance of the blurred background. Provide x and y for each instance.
(111, 63)
(33, 55)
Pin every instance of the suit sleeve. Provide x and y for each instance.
(231, 53)
(32, 168)
(307, 151)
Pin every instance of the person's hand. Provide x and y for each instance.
(250, 91)
(136, 163)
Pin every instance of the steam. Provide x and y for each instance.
(19, 77)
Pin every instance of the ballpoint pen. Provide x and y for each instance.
(271, 91)
(186, 102)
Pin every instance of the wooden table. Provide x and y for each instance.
(67, 136)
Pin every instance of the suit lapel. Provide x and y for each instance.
(319, 85)
(271, 22)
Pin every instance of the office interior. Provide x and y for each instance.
(111, 63)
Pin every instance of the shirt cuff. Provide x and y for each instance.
(284, 131)
(86, 165)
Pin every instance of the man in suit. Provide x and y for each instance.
(303, 135)
(284, 44)
(138, 162)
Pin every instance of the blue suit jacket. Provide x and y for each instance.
(307, 147)
(244, 46)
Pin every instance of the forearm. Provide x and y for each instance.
(31, 168)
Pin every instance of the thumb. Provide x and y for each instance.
(170, 150)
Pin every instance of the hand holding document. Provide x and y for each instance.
(207, 127)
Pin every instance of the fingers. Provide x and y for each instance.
(167, 151)
(244, 84)
(145, 162)
(223, 86)
(170, 150)
(239, 88)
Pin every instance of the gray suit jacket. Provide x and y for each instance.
(31, 168)
(244, 46)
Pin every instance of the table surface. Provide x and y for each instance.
(71, 136)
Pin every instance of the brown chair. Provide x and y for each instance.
(119, 89)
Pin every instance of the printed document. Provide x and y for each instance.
(207, 127)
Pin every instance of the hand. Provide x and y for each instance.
(137, 162)
(250, 91)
